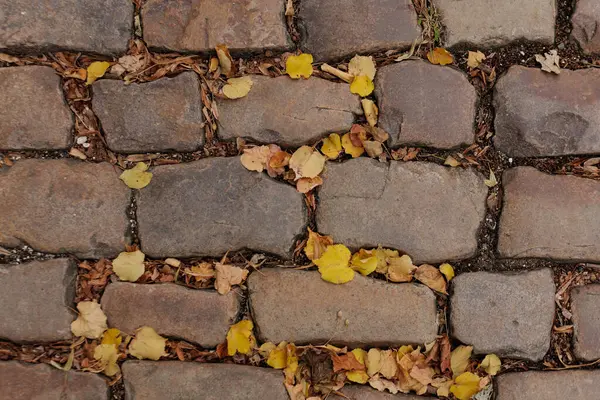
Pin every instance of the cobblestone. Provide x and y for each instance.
(76, 25)
(541, 114)
(215, 205)
(33, 114)
(411, 104)
(547, 216)
(378, 313)
(365, 203)
(199, 316)
(356, 392)
(162, 115)
(36, 300)
(368, 25)
(486, 23)
(572, 385)
(248, 25)
(269, 114)
(585, 25)
(507, 314)
(586, 319)
(61, 206)
(22, 381)
(184, 380)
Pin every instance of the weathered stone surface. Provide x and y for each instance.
(33, 113)
(215, 205)
(357, 392)
(289, 112)
(78, 25)
(542, 114)
(36, 301)
(496, 23)
(572, 385)
(148, 380)
(21, 381)
(200, 25)
(366, 203)
(585, 303)
(585, 22)
(157, 116)
(65, 206)
(379, 313)
(408, 92)
(507, 314)
(337, 28)
(547, 216)
(200, 316)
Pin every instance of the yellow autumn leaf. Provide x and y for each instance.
(316, 244)
(306, 162)
(107, 355)
(373, 361)
(236, 88)
(96, 70)
(278, 356)
(129, 266)
(227, 275)
(440, 56)
(332, 146)
(491, 364)
(333, 264)
(451, 161)
(112, 336)
(383, 255)
(400, 269)
(491, 181)
(147, 344)
(362, 86)
(432, 277)
(447, 270)
(255, 158)
(240, 338)
(465, 386)
(475, 58)
(364, 261)
(358, 376)
(91, 322)
(266, 348)
(459, 359)
(350, 148)
(299, 66)
(362, 65)
(225, 60)
(137, 177)
(371, 111)
(305, 185)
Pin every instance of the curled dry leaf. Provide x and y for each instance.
(362, 86)
(228, 275)
(373, 148)
(432, 277)
(213, 64)
(137, 177)
(305, 185)
(129, 266)
(332, 146)
(475, 58)
(299, 66)
(451, 161)
(383, 258)
(491, 181)
(255, 158)
(351, 148)
(334, 264)
(371, 111)
(96, 70)
(236, 88)
(440, 56)
(91, 322)
(359, 375)
(378, 134)
(491, 364)
(240, 338)
(147, 344)
(306, 162)
(550, 61)
(400, 269)
(107, 355)
(225, 60)
(316, 245)
(362, 65)
(278, 160)
(364, 261)
(447, 270)
(459, 359)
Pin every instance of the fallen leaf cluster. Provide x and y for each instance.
(360, 75)
(361, 139)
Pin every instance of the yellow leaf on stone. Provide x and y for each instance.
(107, 355)
(332, 146)
(432, 277)
(333, 264)
(491, 364)
(465, 386)
(96, 70)
(447, 270)
(364, 261)
(299, 66)
(240, 338)
(147, 344)
(255, 158)
(362, 65)
(362, 86)
(475, 58)
(306, 162)
(316, 244)
(440, 56)
(236, 88)
(91, 322)
(350, 148)
(278, 356)
(112, 336)
(459, 359)
(400, 269)
(137, 177)
(129, 266)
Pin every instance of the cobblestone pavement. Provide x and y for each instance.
(526, 288)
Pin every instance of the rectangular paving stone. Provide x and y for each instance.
(585, 25)
(149, 380)
(200, 316)
(64, 206)
(408, 92)
(163, 115)
(585, 304)
(365, 203)
(76, 25)
(37, 298)
(561, 385)
(338, 28)
(510, 315)
(33, 112)
(215, 205)
(357, 392)
(269, 114)
(488, 23)
(379, 313)
(546, 216)
(20, 381)
(200, 25)
(542, 114)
